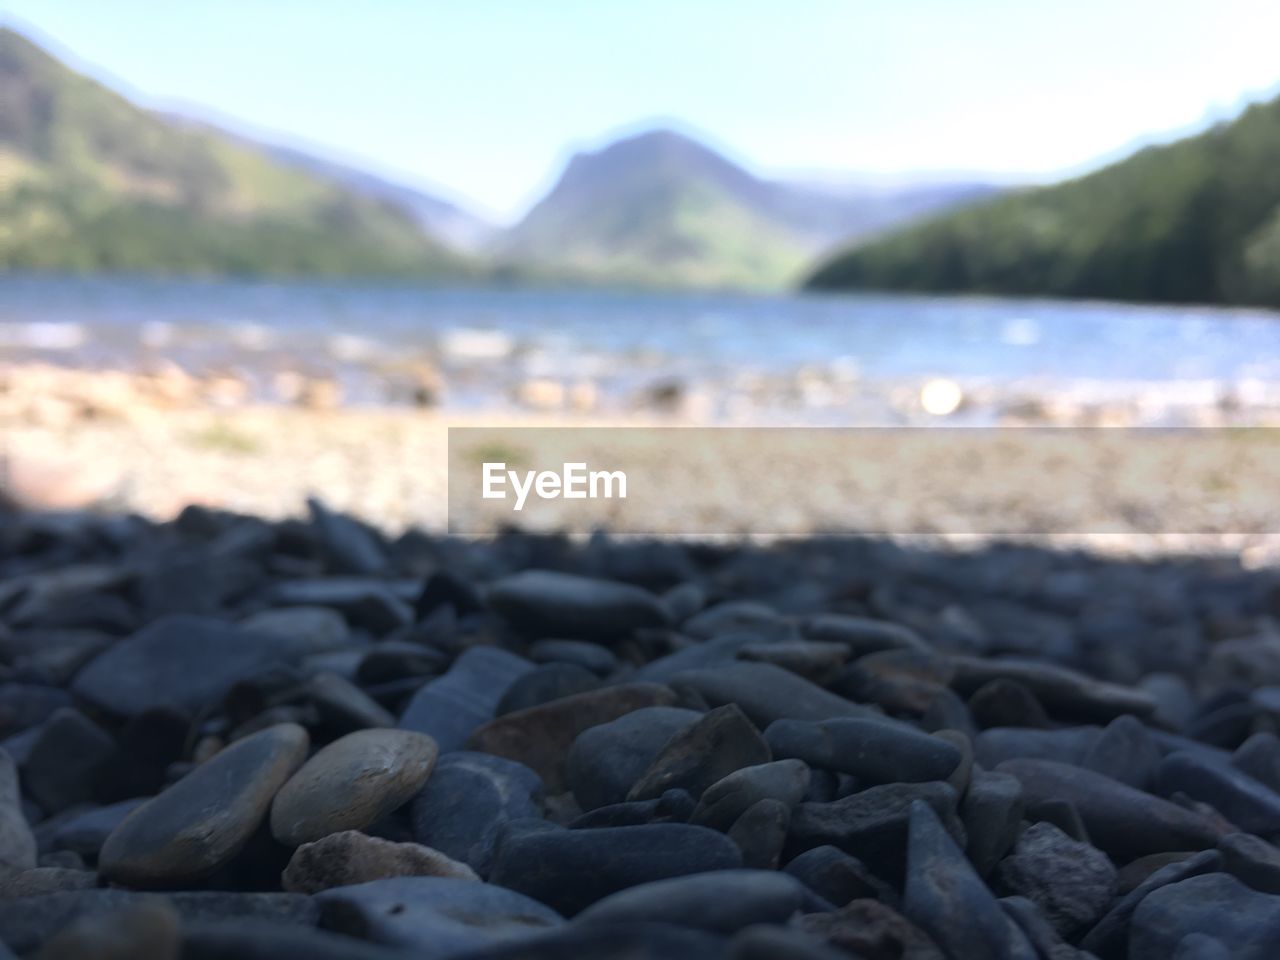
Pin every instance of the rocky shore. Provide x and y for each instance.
(228, 736)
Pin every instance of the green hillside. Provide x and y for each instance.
(1195, 221)
(657, 208)
(89, 181)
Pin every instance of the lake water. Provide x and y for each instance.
(486, 342)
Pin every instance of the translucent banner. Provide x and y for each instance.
(780, 481)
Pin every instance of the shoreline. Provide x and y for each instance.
(89, 447)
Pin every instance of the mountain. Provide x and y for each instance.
(89, 181)
(1194, 221)
(449, 222)
(660, 207)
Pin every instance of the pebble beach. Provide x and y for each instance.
(228, 736)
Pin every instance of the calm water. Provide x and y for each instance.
(485, 340)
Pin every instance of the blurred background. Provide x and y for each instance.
(251, 251)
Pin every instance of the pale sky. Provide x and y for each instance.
(489, 97)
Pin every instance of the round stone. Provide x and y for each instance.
(352, 783)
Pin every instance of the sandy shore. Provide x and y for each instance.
(125, 446)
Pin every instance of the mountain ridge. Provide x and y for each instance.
(661, 200)
(1196, 220)
(91, 181)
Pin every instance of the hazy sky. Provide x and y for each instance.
(488, 97)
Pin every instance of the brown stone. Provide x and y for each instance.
(349, 857)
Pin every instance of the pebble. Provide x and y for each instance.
(23, 705)
(607, 759)
(738, 616)
(761, 832)
(1072, 882)
(674, 806)
(1007, 703)
(30, 883)
(995, 745)
(201, 822)
(590, 656)
(872, 824)
(963, 772)
(364, 602)
(947, 899)
(721, 902)
(348, 545)
(86, 831)
(861, 635)
(1037, 929)
(1251, 860)
(550, 604)
(443, 588)
(181, 661)
(1065, 693)
(351, 857)
(1244, 801)
(839, 878)
(707, 750)
(571, 869)
(546, 683)
(62, 767)
(351, 783)
(1259, 757)
(1062, 814)
(874, 751)
(1217, 905)
(343, 706)
(991, 811)
(467, 800)
(17, 842)
(1124, 751)
(722, 803)
(1121, 821)
(449, 708)
(541, 737)
(145, 747)
(438, 916)
(868, 928)
(766, 693)
(322, 628)
(1136, 872)
(52, 655)
(814, 660)
(1110, 934)
(696, 656)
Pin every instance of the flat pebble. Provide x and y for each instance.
(201, 822)
(351, 783)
